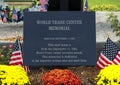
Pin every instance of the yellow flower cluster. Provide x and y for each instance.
(109, 76)
(104, 7)
(13, 75)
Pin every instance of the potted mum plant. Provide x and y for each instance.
(109, 76)
(60, 77)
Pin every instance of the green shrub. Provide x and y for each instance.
(115, 24)
(104, 7)
(5, 54)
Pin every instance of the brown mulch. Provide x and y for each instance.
(87, 74)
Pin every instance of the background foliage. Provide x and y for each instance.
(5, 54)
(104, 7)
(115, 24)
(100, 2)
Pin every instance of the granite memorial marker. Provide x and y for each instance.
(60, 38)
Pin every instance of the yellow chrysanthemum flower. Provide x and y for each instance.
(109, 76)
(14, 75)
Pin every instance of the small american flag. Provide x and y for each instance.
(14, 14)
(43, 5)
(16, 58)
(5, 17)
(109, 55)
(85, 9)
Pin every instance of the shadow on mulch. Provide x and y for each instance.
(87, 74)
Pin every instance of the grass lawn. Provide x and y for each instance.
(17, 6)
(97, 2)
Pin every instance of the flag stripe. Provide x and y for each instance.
(117, 60)
(14, 59)
(17, 63)
(103, 63)
(20, 60)
(26, 68)
(118, 53)
(105, 59)
(99, 65)
(15, 54)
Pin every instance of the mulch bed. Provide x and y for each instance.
(87, 74)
